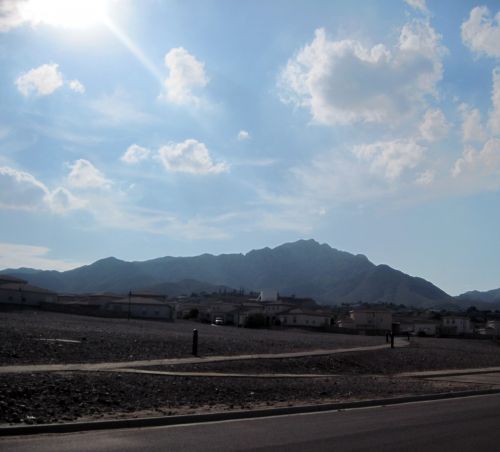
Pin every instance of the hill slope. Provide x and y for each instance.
(304, 268)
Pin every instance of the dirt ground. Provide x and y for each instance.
(27, 337)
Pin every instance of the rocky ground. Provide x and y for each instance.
(48, 398)
(60, 397)
(27, 337)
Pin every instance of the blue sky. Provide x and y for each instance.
(140, 129)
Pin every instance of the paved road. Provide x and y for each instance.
(468, 424)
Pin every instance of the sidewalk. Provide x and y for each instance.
(192, 360)
(489, 376)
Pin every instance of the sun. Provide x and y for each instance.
(64, 13)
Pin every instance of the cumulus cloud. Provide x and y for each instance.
(76, 86)
(190, 156)
(479, 163)
(84, 174)
(472, 128)
(342, 82)
(418, 5)
(243, 135)
(434, 125)
(10, 15)
(21, 190)
(135, 154)
(481, 32)
(186, 74)
(43, 80)
(390, 158)
(425, 178)
(494, 121)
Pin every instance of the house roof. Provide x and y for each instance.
(139, 301)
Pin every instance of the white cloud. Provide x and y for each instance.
(84, 175)
(186, 74)
(425, 178)
(61, 200)
(390, 158)
(343, 82)
(190, 156)
(479, 165)
(481, 32)
(10, 16)
(15, 256)
(434, 125)
(135, 154)
(419, 5)
(494, 121)
(22, 191)
(117, 109)
(472, 129)
(43, 80)
(76, 86)
(243, 135)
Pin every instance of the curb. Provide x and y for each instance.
(225, 416)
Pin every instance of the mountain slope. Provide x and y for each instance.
(490, 296)
(304, 268)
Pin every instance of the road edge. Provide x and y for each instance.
(74, 427)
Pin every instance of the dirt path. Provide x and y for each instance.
(192, 360)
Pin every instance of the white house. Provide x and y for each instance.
(17, 291)
(302, 317)
(425, 327)
(145, 308)
(493, 327)
(372, 319)
(455, 325)
(268, 295)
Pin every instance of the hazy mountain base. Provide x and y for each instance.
(304, 268)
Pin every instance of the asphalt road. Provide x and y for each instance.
(468, 424)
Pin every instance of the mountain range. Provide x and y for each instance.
(304, 268)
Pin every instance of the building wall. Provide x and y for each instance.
(375, 320)
(304, 320)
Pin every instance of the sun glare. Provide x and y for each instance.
(64, 13)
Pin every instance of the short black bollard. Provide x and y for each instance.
(387, 338)
(408, 336)
(195, 342)
(392, 340)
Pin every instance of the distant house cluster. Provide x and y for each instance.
(17, 291)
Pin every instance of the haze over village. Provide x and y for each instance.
(215, 210)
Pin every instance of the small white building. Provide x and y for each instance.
(493, 327)
(372, 319)
(144, 308)
(17, 291)
(302, 317)
(425, 327)
(456, 325)
(268, 295)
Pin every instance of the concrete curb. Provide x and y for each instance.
(225, 416)
(449, 372)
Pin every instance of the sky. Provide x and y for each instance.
(140, 129)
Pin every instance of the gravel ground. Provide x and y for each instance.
(48, 398)
(55, 397)
(23, 337)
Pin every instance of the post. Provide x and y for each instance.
(387, 337)
(392, 340)
(129, 301)
(195, 342)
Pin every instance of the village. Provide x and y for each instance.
(267, 309)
